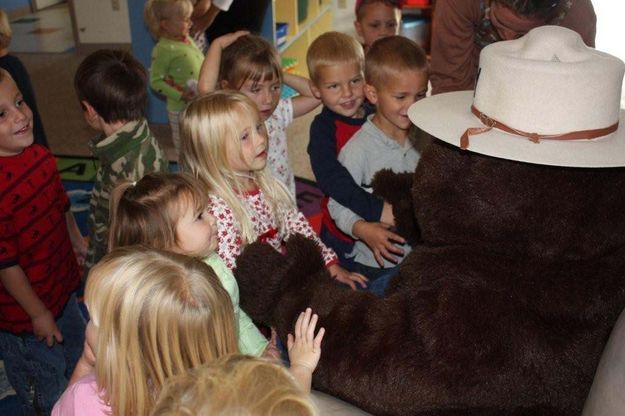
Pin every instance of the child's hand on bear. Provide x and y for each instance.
(347, 277)
(380, 240)
(304, 347)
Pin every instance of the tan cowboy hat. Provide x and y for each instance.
(545, 98)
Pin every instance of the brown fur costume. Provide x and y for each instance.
(503, 308)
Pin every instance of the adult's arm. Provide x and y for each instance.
(454, 52)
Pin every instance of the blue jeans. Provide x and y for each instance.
(39, 373)
(379, 278)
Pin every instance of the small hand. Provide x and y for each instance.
(380, 240)
(228, 39)
(305, 348)
(44, 327)
(349, 278)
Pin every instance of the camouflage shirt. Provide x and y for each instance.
(129, 153)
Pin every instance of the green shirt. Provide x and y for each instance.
(129, 153)
(251, 341)
(174, 63)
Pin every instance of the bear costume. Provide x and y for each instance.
(518, 271)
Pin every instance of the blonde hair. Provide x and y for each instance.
(390, 55)
(157, 10)
(211, 126)
(234, 385)
(157, 315)
(249, 57)
(147, 211)
(333, 48)
(5, 30)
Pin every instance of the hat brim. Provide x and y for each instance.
(447, 116)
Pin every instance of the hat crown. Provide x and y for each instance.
(549, 82)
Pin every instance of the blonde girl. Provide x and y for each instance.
(154, 314)
(251, 65)
(168, 211)
(176, 60)
(232, 385)
(225, 146)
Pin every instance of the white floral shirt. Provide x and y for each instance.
(278, 154)
(265, 226)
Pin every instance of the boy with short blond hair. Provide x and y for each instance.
(111, 86)
(41, 326)
(335, 64)
(396, 74)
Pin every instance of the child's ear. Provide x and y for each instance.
(358, 28)
(223, 84)
(315, 91)
(371, 94)
(91, 116)
(89, 110)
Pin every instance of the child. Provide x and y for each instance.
(154, 314)
(41, 328)
(234, 384)
(176, 60)
(377, 19)
(167, 211)
(335, 63)
(224, 144)
(251, 65)
(19, 74)
(111, 87)
(397, 76)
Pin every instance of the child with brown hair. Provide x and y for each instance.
(251, 65)
(41, 327)
(169, 211)
(111, 87)
(377, 19)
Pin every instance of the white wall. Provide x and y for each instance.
(102, 21)
(611, 30)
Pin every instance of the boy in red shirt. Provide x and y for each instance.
(41, 328)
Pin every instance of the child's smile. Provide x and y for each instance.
(16, 127)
